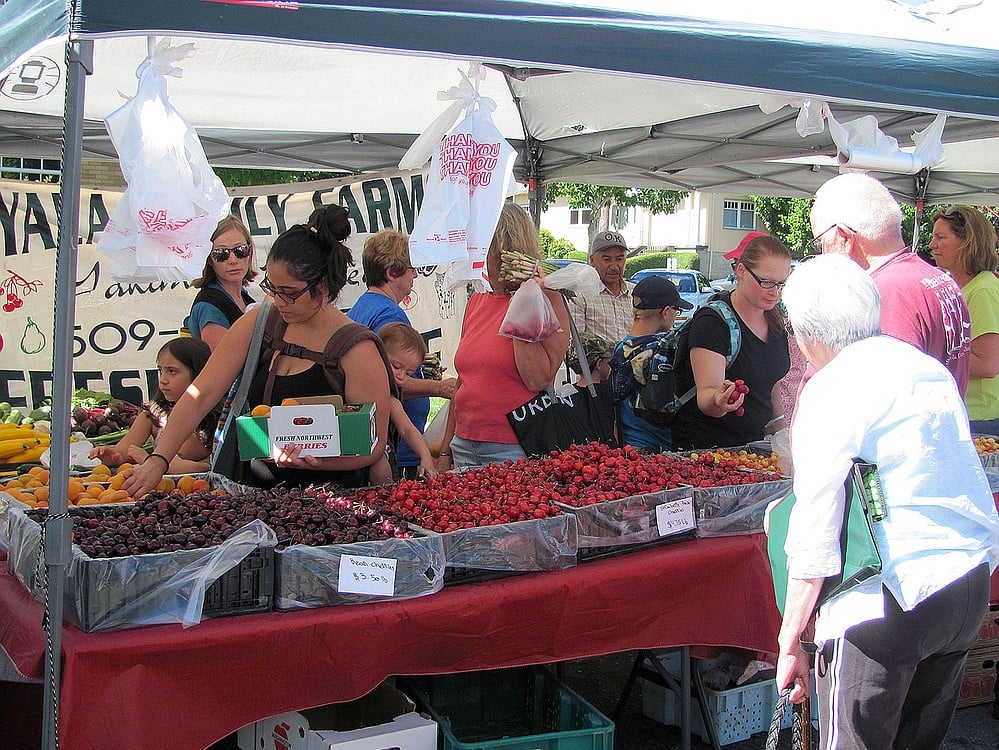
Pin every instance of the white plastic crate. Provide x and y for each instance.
(738, 713)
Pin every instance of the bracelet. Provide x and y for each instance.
(161, 457)
(774, 421)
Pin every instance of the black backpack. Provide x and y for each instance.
(656, 401)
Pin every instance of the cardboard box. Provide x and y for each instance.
(324, 425)
(384, 718)
(978, 685)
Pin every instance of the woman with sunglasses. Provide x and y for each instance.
(306, 270)
(222, 295)
(719, 415)
(964, 244)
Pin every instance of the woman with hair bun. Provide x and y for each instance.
(305, 271)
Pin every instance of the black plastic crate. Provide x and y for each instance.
(308, 576)
(592, 554)
(245, 589)
(122, 592)
(457, 576)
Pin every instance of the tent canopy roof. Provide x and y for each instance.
(600, 91)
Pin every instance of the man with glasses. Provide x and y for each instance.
(389, 276)
(855, 215)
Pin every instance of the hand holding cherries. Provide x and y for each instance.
(738, 391)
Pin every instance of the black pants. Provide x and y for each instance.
(893, 684)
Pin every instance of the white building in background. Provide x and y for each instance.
(709, 223)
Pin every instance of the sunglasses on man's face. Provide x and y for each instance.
(241, 251)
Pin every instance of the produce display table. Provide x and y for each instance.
(148, 687)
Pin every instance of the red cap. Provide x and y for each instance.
(737, 253)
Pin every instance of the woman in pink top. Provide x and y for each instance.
(497, 374)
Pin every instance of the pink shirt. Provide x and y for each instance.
(923, 305)
(490, 384)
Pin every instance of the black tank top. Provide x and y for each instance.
(310, 382)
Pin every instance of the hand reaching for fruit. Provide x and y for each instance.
(731, 396)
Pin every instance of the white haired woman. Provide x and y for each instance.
(891, 651)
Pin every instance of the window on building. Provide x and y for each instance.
(579, 216)
(739, 215)
(33, 170)
(620, 216)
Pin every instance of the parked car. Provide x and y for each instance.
(692, 285)
(562, 262)
(727, 284)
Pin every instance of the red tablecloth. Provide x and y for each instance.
(166, 686)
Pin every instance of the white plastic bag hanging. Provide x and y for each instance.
(471, 174)
(161, 227)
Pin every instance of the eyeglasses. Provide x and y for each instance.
(241, 251)
(287, 297)
(816, 243)
(765, 283)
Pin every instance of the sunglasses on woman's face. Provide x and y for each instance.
(241, 251)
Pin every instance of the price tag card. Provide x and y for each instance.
(676, 516)
(366, 575)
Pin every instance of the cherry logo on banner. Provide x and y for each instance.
(280, 736)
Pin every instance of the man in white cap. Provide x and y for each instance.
(607, 314)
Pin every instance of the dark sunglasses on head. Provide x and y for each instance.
(241, 251)
(953, 212)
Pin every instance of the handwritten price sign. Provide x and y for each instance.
(676, 516)
(366, 575)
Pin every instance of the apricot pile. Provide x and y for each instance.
(101, 487)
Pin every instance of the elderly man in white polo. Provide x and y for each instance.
(608, 313)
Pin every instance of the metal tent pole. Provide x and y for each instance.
(57, 529)
(921, 181)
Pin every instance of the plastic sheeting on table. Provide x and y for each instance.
(308, 577)
(535, 544)
(155, 589)
(737, 508)
(628, 520)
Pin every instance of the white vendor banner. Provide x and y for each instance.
(120, 326)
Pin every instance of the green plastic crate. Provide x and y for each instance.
(526, 708)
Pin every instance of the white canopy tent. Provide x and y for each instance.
(607, 91)
(604, 92)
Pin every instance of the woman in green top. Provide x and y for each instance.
(964, 243)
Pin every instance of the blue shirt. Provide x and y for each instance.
(374, 311)
(203, 313)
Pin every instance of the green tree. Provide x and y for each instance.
(787, 219)
(599, 199)
(555, 247)
(239, 177)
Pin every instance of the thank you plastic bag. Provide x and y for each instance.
(161, 227)
(471, 174)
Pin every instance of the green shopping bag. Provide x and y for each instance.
(858, 547)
